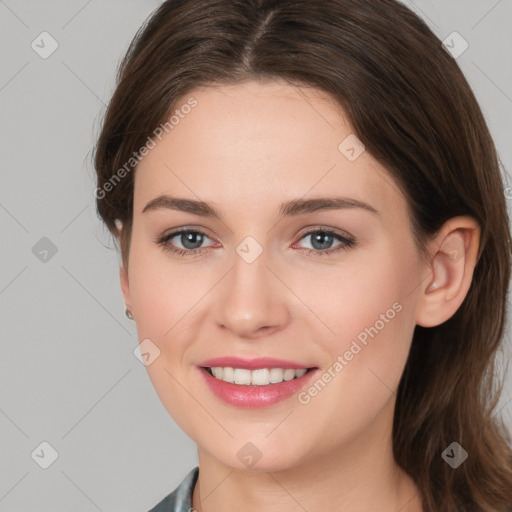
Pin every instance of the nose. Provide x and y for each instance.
(253, 300)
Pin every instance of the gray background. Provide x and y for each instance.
(68, 373)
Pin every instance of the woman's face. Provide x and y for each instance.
(254, 283)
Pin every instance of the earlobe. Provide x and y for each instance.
(451, 272)
(125, 286)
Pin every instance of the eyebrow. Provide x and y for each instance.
(289, 208)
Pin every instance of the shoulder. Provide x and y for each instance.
(179, 500)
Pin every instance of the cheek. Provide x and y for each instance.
(160, 304)
(355, 295)
(162, 291)
(369, 310)
(364, 360)
(162, 297)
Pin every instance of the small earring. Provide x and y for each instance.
(128, 313)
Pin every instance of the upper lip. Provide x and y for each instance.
(251, 364)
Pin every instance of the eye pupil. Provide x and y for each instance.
(189, 237)
(320, 238)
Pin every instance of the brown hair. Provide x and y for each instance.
(410, 104)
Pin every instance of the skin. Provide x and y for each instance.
(245, 149)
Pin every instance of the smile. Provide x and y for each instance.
(258, 377)
(242, 392)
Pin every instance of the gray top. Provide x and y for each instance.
(180, 500)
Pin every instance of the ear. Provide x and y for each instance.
(454, 256)
(125, 286)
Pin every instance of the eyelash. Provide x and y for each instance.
(164, 241)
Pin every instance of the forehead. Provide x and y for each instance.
(256, 144)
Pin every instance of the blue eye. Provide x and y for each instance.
(187, 238)
(325, 237)
(191, 240)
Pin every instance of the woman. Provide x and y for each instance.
(316, 252)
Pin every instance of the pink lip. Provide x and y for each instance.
(253, 396)
(251, 364)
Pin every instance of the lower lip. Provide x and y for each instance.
(243, 395)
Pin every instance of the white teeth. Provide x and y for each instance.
(217, 372)
(228, 374)
(259, 377)
(242, 376)
(276, 375)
